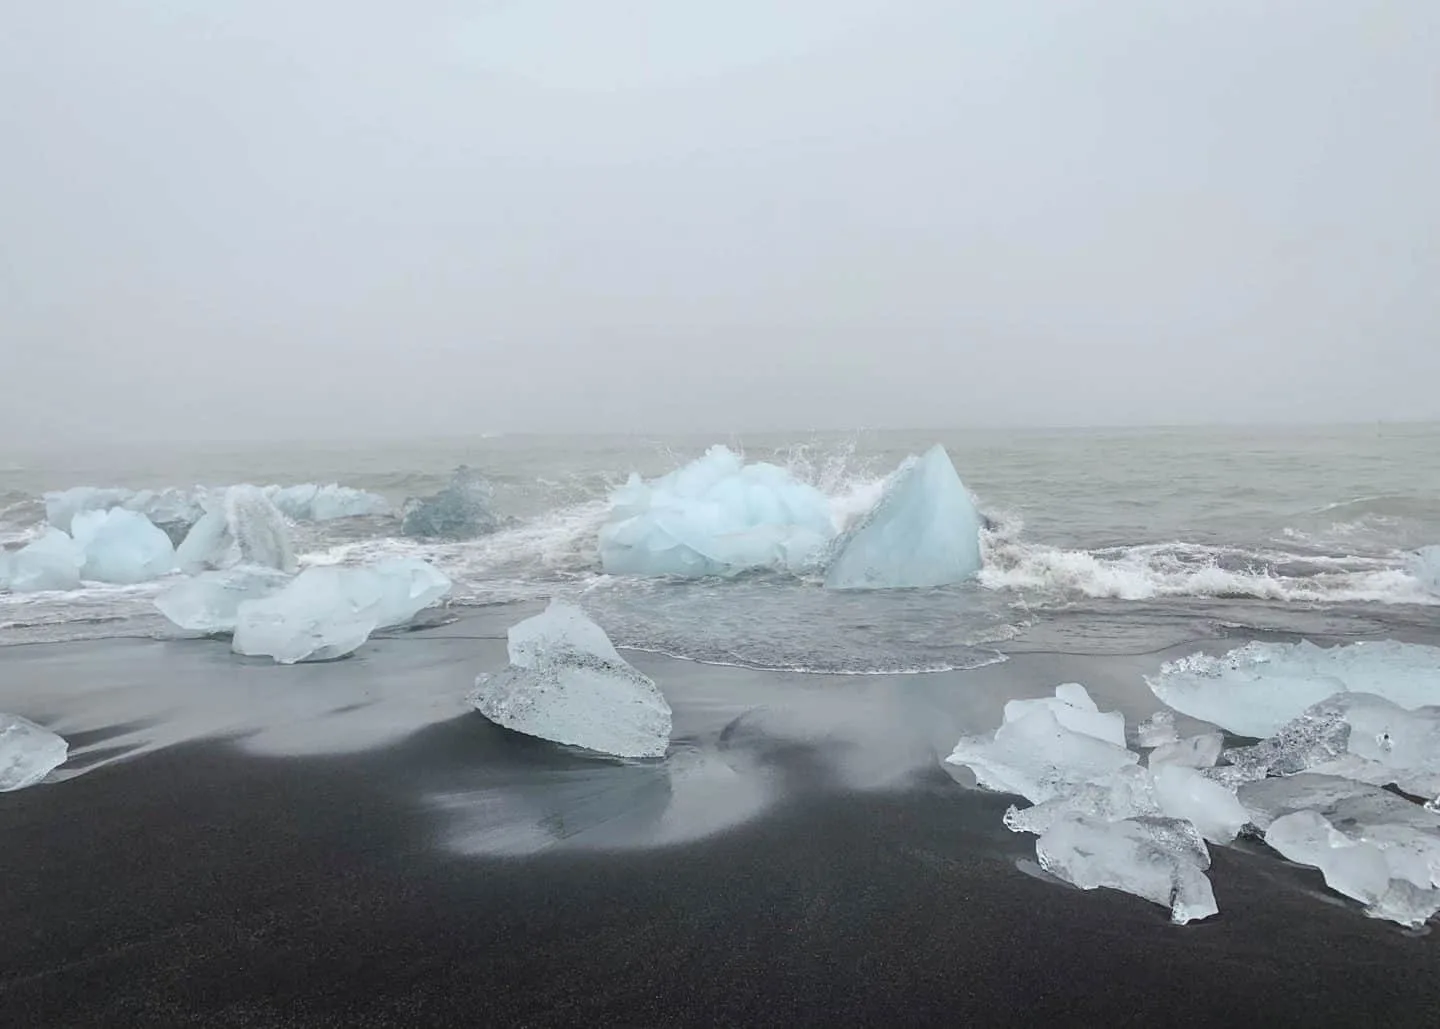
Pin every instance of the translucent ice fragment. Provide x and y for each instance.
(1038, 758)
(1073, 708)
(323, 613)
(408, 585)
(122, 546)
(1159, 728)
(28, 752)
(210, 602)
(1193, 752)
(51, 562)
(462, 510)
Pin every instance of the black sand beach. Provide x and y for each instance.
(203, 883)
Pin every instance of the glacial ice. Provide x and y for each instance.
(1194, 752)
(28, 752)
(1073, 709)
(462, 510)
(51, 562)
(1258, 688)
(1212, 808)
(323, 613)
(924, 531)
(408, 585)
(566, 683)
(241, 525)
(1159, 859)
(172, 511)
(122, 546)
(715, 516)
(1156, 730)
(311, 502)
(210, 602)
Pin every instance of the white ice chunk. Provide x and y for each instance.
(122, 546)
(715, 516)
(1193, 752)
(1128, 793)
(1073, 708)
(325, 612)
(408, 585)
(1212, 808)
(1160, 860)
(210, 602)
(1156, 730)
(924, 531)
(310, 502)
(1038, 758)
(51, 562)
(1256, 689)
(566, 683)
(28, 752)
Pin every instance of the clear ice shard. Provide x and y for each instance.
(53, 561)
(1158, 859)
(408, 585)
(122, 546)
(461, 511)
(310, 502)
(1212, 808)
(1158, 729)
(28, 752)
(566, 683)
(715, 516)
(1258, 688)
(1075, 710)
(1193, 752)
(323, 613)
(210, 602)
(923, 531)
(241, 525)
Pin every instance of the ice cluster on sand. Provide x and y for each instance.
(923, 531)
(715, 516)
(567, 683)
(1312, 788)
(28, 752)
(462, 510)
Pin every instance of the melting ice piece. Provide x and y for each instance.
(1128, 793)
(28, 752)
(1426, 568)
(1212, 808)
(323, 613)
(460, 511)
(210, 602)
(1073, 708)
(1038, 757)
(241, 526)
(1193, 752)
(408, 585)
(1159, 859)
(208, 544)
(567, 683)
(715, 516)
(1256, 689)
(51, 562)
(923, 531)
(122, 546)
(310, 502)
(1156, 730)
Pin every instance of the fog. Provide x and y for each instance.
(259, 219)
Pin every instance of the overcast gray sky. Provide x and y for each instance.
(268, 218)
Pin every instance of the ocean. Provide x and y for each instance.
(1101, 541)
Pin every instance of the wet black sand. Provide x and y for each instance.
(202, 885)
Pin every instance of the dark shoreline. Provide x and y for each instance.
(203, 884)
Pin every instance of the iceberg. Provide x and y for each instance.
(923, 531)
(28, 752)
(1257, 689)
(407, 585)
(1161, 860)
(241, 525)
(210, 602)
(460, 511)
(310, 502)
(567, 683)
(122, 546)
(323, 613)
(51, 562)
(715, 516)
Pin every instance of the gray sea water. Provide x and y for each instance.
(1104, 541)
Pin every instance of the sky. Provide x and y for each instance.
(256, 219)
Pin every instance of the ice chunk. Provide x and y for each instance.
(122, 546)
(1256, 689)
(241, 525)
(210, 602)
(924, 531)
(311, 502)
(1212, 808)
(1038, 758)
(408, 585)
(51, 562)
(325, 612)
(1073, 708)
(566, 683)
(208, 544)
(462, 510)
(172, 511)
(1161, 860)
(61, 506)
(1128, 793)
(715, 516)
(28, 752)
(1156, 730)
(1194, 752)
(1426, 568)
